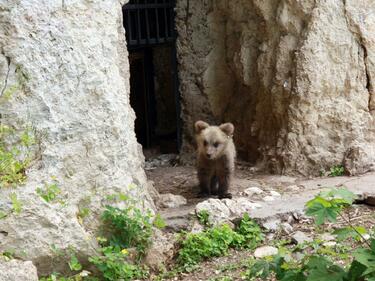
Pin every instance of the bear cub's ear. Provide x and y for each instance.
(227, 128)
(200, 125)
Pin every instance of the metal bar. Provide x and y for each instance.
(165, 22)
(144, 6)
(139, 26)
(147, 26)
(157, 25)
(129, 31)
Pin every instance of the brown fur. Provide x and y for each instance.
(215, 158)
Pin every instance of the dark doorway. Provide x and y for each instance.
(151, 36)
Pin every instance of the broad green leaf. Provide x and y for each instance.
(352, 232)
(321, 212)
(355, 271)
(367, 258)
(332, 273)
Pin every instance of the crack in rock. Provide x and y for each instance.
(6, 77)
(360, 40)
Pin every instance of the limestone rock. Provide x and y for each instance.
(265, 251)
(239, 206)
(297, 80)
(66, 68)
(217, 210)
(299, 237)
(268, 198)
(327, 237)
(15, 270)
(275, 193)
(161, 250)
(272, 224)
(252, 190)
(170, 200)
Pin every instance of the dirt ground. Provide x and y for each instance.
(182, 180)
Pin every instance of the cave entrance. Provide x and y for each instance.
(151, 38)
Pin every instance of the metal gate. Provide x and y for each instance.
(149, 23)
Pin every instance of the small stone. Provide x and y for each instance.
(161, 249)
(329, 244)
(170, 200)
(275, 193)
(265, 251)
(217, 210)
(366, 236)
(239, 206)
(293, 188)
(268, 198)
(327, 237)
(299, 237)
(252, 190)
(17, 270)
(287, 227)
(271, 224)
(196, 228)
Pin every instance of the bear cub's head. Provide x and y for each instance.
(212, 141)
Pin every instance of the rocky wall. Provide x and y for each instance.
(64, 73)
(294, 76)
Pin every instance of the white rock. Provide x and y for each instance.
(329, 244)
(161, 250)
(196, 227)
(268, 198)
(72, 88)
(287, 227)
(170, 200)
(275, 193)
(327, 237)
(265, 251)
(271, 224)
(217, 210)
(253, 190)
(299, 237)
(15, 270)
(239, 206)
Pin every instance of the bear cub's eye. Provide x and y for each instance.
(216, 144)
(205, 143)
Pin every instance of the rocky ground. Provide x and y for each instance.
(276, 202)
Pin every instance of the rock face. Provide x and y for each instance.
(295, 77)
(64, 73)
(15, 270)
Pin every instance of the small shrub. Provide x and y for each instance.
(16, 203)
(250, 231)
(129, 228)
(50, 192)
(114, 266)
(203, 217)
(336, 171)
(15, 158)
(318, 267)
(216, 241)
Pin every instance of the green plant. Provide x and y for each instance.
(203, 217)
(159, 222)
(74, 264)
(326, 206)
(250, 231)
(336, 171)
(16, 203)
(15, 157)
(129, 227)
(113, 265)
(50, 192)
(216, 241)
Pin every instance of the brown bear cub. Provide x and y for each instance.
(215, 158)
